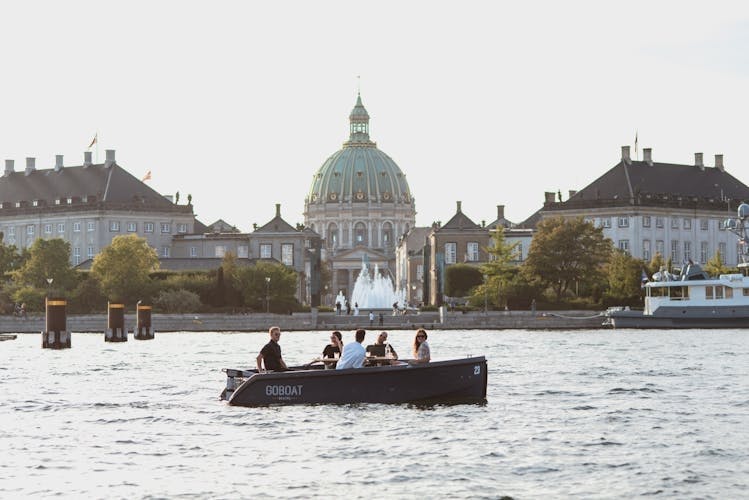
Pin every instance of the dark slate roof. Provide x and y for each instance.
(107, 184)
(640, 181)
(200, 228)
(221, 226)
(531, 222)
(276, 225)
(500, 222)
(459, 221)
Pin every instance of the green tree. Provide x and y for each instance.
(499, 271)
(655, 265)
(48, 259)
(624, 274)
(281, 289)
(715, 266)
(123, 269)
(10, 259)
(565, 251)
(460, 279)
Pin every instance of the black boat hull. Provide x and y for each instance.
(463, 380)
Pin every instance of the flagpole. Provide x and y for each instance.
(97, 146)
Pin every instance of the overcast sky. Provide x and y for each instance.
(490, 103)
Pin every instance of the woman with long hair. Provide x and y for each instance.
(334, 349)
(421, 347)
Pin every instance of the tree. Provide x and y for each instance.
(460, 279)
(565, 251)
(123, 269)
(624, 274)
(498, 272)
(48, 259)
(715, 266)
(280, 289)
(10, 258)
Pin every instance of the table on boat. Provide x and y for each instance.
(368, 360)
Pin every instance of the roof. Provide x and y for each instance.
(277, 224)
(459, 222)
(113, 185)
(644, 183)
(221, 226)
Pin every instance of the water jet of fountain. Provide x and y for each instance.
(377, 291)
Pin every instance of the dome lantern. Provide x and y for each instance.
(359, 125)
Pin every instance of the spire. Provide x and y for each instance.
(359, 125)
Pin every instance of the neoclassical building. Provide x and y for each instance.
(360, 204)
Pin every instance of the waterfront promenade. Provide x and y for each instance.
(526, 320)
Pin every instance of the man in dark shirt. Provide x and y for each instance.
(270, 354)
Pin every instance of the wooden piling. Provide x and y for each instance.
(143, 329)
(116, 331)
(55, 334)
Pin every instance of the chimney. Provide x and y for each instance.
(572, 192)
(647, 154)
(625, 154)
(9, 167)
(30, 165)
(110, 158)
(58, 163)
(718, 163)
(549, 197)
(278, 210)
(698, 161)
(458, 209)
(500, 212)
(87, 159)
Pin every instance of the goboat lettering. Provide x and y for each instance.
(284, 391)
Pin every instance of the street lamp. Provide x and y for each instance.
(49, 285)
(267, 294)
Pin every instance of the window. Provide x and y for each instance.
(709, 292)
(645, 221)
(243, 251)
(623, 221)
(687, 223)
(675, 251)
(519, 252)
(659, 222)
(746, 292)
(721, 226)
(660, 247)
(450, 251)
(703, 252)
(624, 246)
(61, 227)
(219, 251)
(674, 223)
(30, 230)
(193, 251)
(76, 227)
(360, 234)
(166, 228)
(91, 227)
(703, 224)
(148, 227)
(48, 229)
(132, 227)
(165, 251)
(646, 249)
(11, 231)
(420, 273)
(472, 251)
(722, 250)
(606, 222)
(718, 292)
(687, 251)
(728, 292)
(90, 252)
(182, 228)
(76, 256)
(114, 226)
(266, 251)
(287, 254)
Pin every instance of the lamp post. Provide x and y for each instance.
(49, 285)
(267, 294)
(486, 286)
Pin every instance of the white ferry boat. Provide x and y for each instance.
(693, 299)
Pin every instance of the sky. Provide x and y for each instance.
(239, 103)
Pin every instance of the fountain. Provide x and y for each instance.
(377, 291)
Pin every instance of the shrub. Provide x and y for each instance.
(178, 301)
(32, 297)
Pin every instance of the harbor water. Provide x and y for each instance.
(585, 414)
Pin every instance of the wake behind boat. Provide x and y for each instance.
(452, 381)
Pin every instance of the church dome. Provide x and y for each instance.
(359, 173)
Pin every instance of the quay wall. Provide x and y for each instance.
(493, 320)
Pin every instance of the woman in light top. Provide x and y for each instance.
(421, 347)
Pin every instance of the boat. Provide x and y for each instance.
(692, 299)
(450, 381)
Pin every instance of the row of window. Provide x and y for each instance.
(148, 227)
(114, 226)
(647, 221)
(676, 247)
(266, 252)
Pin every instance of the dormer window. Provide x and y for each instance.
(19, 204)
(35, 203)
(58, 201)
(70, 201)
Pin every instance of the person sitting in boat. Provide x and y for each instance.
(334, 349)
(353, 353)
(270, 354)
(421, 347)
(380, 349)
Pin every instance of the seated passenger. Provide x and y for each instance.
(333, 350)
(421, 347)
(353, 353)
(380, 349)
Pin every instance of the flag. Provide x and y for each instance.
(94, 140)
(636, 155)
(146, 177)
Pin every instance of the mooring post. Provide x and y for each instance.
(143, 330)
(55, 334)
(115, 323)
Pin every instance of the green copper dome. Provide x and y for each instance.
(359, 172)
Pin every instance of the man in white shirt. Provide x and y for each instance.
(353, 353)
